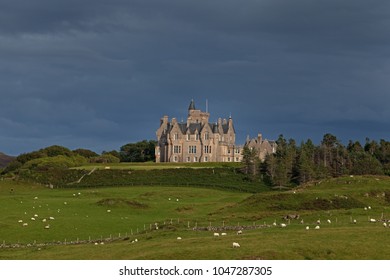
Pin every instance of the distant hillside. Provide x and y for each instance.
(5, 159)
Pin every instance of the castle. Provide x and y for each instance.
(198, 140)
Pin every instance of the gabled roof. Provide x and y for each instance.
(192, 105)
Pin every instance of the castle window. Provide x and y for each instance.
(188, 137)
(206, 159)
(192, 149)
(196, 136)
(175, 159)
(177, 149)
(207, 149)
(195, 159)
(237, 150)
(188, 159)
(206, 136)
(176, 136)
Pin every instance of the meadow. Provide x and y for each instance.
(155, 215)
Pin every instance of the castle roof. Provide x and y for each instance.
(192, 105)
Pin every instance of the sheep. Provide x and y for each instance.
(329, 221)
(384, 224)
(239, 232)
(236, 245)
(317, 227)
(372, 221)
(33, 219)
(307, 227)
(44, 221)
(108, 211)
(223, 233)
(47, 226)
(318, 222)
(365, 208)
(51, 218)
(179, 238)
(283, 225)
(177, 199)
(36, 215)
(369, 207)
(354, 221)
(25, 224)
(20, 221)
(216, 234)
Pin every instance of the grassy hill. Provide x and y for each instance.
(5, 159)
(117, 215)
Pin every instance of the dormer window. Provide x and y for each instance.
(196, 136)
(206, 136)
(188, 137)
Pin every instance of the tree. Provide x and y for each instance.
(138, 152)
(250, 160)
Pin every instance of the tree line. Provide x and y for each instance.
(294, 164)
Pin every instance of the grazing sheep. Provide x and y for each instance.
(25, 224)
(20, 221)
(384, 224)
(372, 221)
(307, 227)
(108, 211)
(318, 222)
(329, 221)
(177, 199)
(365, 208)
(354, 221)
(239, 232)
(179, 238)
(283, 225)
(369, 207)
(96, 243)
(236, 245)
(223, 233)
(51, 218)
(47, 226)
(33, 219)
(44, 221)
(36, 215)
(216, 234)
(317, 227)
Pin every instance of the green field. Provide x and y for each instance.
(117, 215)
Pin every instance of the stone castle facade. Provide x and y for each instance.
(198, 140)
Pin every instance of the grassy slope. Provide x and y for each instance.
(339, 240)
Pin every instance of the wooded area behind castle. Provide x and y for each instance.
(295, 165)
(291, 165)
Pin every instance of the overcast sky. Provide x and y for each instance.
(99, 74)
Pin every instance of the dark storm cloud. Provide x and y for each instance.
(98, 74)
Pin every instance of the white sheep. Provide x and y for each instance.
(216, 234)
(20, 221)
(354, 221)
(179, 238)
(369, 207)
(223, 233)
(384, 224)
(317, 227)
(47, 226)
(329, 221)
(283, 225)
(51, 218)
(307, 227)
(372, 221)
(236, 245)
(25, 224)
(365, 208)
(108, 211)
(239, 232)
(32, 219)
(318, 222)
(44, 221)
